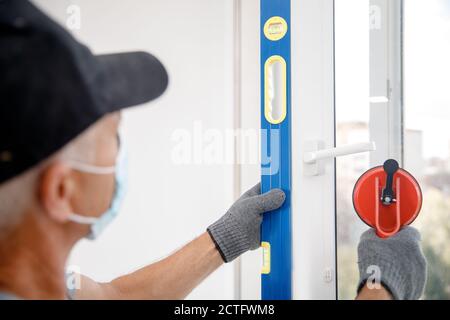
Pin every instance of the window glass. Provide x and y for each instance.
(425, 123)
(427, 130)
(352, 126)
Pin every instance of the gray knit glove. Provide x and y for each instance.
(401, 263)
(239, 229)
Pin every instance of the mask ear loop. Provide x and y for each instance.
(93, 169)
(88, 168)
(82, 219)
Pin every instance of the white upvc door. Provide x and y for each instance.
(313, 126)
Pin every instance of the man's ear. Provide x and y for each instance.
(57, 188)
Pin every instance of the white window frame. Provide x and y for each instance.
(386, 80)
(313, 124)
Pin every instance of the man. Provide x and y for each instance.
(63, 170)
(62, 176)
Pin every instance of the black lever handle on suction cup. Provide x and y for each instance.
(390, 166)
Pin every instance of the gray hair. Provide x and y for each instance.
(15, 197)
(21, 193)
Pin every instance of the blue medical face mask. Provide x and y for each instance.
(98, 224)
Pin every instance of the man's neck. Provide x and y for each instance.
(31, 268)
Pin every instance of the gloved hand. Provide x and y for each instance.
(401, 262)
(239, 229)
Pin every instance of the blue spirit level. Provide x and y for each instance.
(276, 279)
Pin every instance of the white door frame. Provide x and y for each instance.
(313, 119)
(386, 76)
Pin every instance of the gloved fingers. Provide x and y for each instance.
(399, 259)
(405, 234)
(254, 191)
(369, 234)
(266, 202)
(408, 233)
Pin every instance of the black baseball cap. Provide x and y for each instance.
(52, 87)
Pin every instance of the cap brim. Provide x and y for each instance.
(131, 78)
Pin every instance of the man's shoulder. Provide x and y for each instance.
(8, 296)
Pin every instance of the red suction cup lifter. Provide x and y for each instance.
(387, 198)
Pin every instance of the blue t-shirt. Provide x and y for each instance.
(8, 296)
(70, 293)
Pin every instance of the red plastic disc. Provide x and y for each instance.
(387, 219)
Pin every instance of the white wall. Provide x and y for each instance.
(167, 204)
